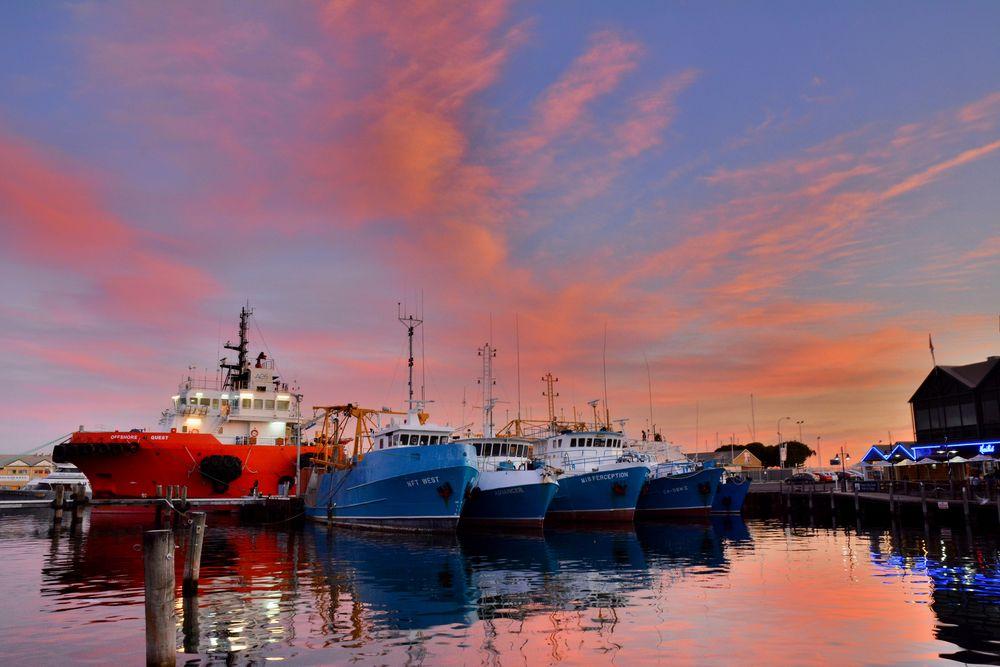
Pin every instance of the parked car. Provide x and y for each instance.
(801, 478)
(823, 476)
(849, 475)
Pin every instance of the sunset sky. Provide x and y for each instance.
(781, 199)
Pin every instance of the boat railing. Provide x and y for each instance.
(569, 462)
(254, 440)
(494, 463)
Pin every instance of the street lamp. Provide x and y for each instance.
(819, 452)
(800, 423)
(842, 458)
(780, 461)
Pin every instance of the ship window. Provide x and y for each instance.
(269, 404)
(205, 401)
(183, 401)
(258, 404)
(479, 449)
(572, 442)
(283, 405)
(246, 403)
(215, 402)
(423, 440)
(405, 439)
(590, 442)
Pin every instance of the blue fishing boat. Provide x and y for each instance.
(677, 488)
(599, 478)
(410, 476)
(407, 475)
(730, 495)
(511, 490)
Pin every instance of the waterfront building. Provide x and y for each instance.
(958, 403)
(737, 458)
(16, 471)
(956, 426)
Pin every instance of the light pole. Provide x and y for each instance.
(819, 453)
(842, 458)
(780, 461)
(800, 423)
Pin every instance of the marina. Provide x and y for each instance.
(431, 332)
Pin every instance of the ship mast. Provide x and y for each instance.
(238, 374)
(411, 323)
(550, 393)
(488, 354)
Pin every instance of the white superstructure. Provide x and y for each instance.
(247, 404)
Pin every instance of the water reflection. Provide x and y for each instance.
(687, 591)
(963, 573)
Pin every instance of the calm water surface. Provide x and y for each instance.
(724, 592)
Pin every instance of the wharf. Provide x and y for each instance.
(940, 501)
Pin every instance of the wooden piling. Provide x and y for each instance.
(812, 490)
(158, 564)
(857, 499)
(59, 503)
(190, 626)
(923, 500)
(79, 500)
(833, 500)
(892, 498)
(965, 501)
(192, 564)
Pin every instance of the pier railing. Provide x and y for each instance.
(986, 490)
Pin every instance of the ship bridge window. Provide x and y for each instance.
(572, 442)
(269, 404)
(246, 403)
(423, 440)
(479, 449)
(204, 401)
(258, 404)
(215, 402)
(405, 439)
(283, 405)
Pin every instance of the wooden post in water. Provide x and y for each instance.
(923, 500)
(189, 625)
(192, 564)
(158, 564)
(965, 501)
(892, 497)
(812, 490)
(59, 503)
(857, 500)
(833, 501)
(79, 500)
(184, 496)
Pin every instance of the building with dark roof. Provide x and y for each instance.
(958, 403)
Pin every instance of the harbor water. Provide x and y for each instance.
(723, 591)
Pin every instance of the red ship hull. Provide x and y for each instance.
(122, 464)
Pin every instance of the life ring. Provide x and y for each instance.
(253, 433)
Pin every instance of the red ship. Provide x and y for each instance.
(235, 436)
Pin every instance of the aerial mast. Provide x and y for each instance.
(488, 354)
(550, 393)
(411, 323)
(238, 376)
